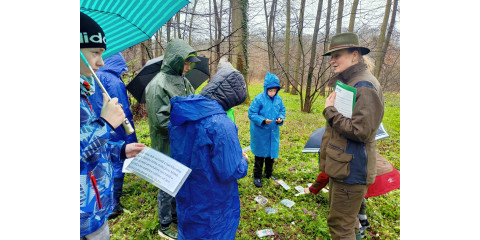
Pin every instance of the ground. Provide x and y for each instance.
(307, 218)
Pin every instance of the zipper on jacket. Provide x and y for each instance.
(336, 147)
(97, 194)
(90, 105)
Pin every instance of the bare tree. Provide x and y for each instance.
(269, 20)
(169, 24)
(389, 35)
(339, 17)
(307, 106)
(287, 49)
(381, 38)
(240, 38)
(297, 85)
(325, 47)
(352, 15)
(177, 16)
(191, 23)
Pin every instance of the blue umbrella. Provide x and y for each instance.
(129, 22)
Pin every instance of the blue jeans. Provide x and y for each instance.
(167, 207)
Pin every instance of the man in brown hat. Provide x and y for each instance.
(348, 150)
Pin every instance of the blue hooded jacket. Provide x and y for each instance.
(204, 139)
(97, 152)
(109, 76)
(265, 138)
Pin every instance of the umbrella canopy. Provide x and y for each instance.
(137, 86)
(129, 22)
(315, 141)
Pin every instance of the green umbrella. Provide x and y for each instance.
(129, 22)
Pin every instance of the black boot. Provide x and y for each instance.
(257, 182)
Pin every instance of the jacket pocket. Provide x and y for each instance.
(97, 193)
(337, 164)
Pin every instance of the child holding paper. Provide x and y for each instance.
(266, 114)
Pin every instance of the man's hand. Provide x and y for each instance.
(330, 99)
(268, 121)
(279, 120)
(132, 149)
(307, 190)
(112, 111)
(245, 156)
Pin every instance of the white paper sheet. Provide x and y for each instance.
(344, 101)
(160, 170)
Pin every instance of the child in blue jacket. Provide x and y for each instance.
(266, 113)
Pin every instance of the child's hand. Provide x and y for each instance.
(279, 120)
(307, 190)
(268, 121)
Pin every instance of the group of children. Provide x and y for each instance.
(197, 127)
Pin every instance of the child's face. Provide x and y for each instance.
(186, 67)
(94, 58)
(271, 92)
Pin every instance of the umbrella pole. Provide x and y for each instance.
(125, 124)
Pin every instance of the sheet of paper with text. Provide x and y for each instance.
(160, 170)
(345, 99)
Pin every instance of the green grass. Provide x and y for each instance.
(307, 218)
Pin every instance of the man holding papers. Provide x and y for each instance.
(348, 150)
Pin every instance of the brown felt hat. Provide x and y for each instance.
(344, 41)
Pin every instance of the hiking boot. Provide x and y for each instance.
(257, 182)
(117, 211)
(169, 232)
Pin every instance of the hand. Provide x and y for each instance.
(330, 99)
(307, 190)
(132, 149)
(279, 120)
(245, 156)
(112, 111)
(268, 121)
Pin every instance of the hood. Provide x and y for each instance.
(227, 87)
(114, 64)
(175, 54)
(192, 108)
(271, 80)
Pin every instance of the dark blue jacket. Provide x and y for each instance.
(109, 76)
(204, 139)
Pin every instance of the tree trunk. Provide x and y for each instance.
(211, 38)
(178, 24)
(325, 48)
(158, 49)
(240, 38)
(352, 15)
(297, 85)
(287, 49)
(218, 31)
(381, 39)
(389, 33)
(269, 20)
(169, 24)
(308, 97)
(191, 23)
(339, 17)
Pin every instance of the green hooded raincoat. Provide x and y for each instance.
(168, 83)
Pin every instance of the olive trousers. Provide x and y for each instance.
(345, 201)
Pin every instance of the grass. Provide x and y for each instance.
(307, 218)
